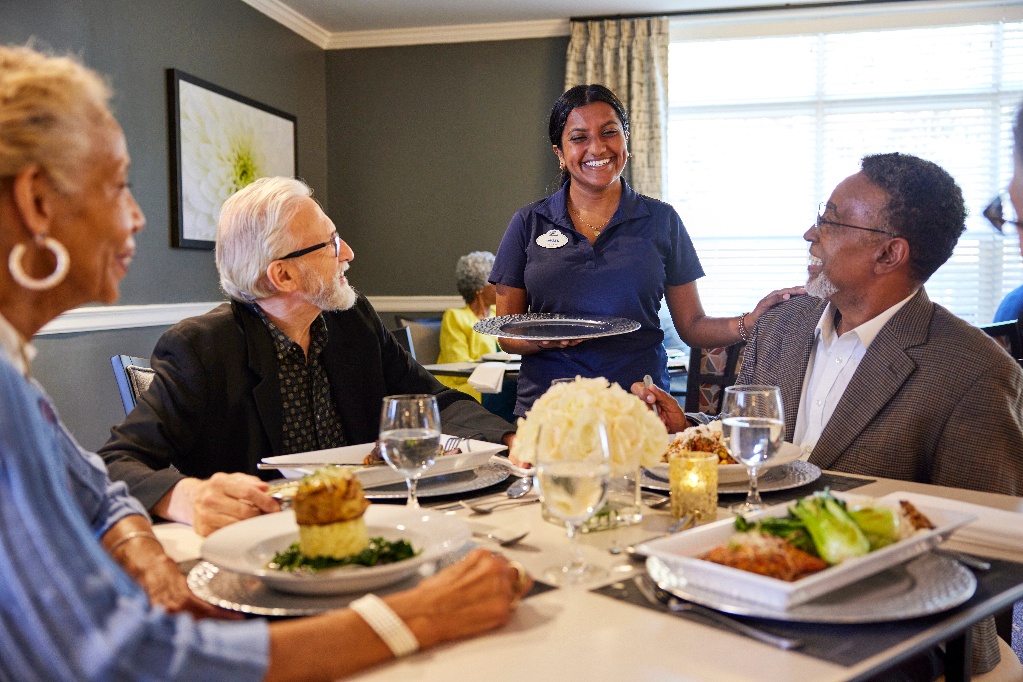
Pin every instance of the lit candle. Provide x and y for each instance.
(693, 479)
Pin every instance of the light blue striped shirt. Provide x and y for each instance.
(67, 610)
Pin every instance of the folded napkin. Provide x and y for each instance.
(994, 529)
(500, 356)
(488, 377)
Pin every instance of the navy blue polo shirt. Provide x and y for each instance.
(643, 249)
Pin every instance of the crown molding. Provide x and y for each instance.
(289, 18)
(462, 33)
(114, 317)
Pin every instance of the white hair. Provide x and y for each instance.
(252, 233)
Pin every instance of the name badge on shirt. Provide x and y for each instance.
(552, 239)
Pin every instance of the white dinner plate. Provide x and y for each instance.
(680, 552)
(475, 453)
(501, 356)
(247, 546)
(555, 326)
(926, 585)
(736, 473)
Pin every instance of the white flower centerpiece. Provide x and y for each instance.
(636, 437)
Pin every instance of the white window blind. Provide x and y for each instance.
(764, 125)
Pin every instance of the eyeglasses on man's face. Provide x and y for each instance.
(1000, 212)
(822, 222)
(336, 241)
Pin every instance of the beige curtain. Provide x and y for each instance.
(630, 57)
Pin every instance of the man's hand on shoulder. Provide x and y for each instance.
(216, 502)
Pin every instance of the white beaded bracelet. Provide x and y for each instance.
(386, 623)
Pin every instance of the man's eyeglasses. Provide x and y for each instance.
(997, 210)
(822, 221)
(336, 241)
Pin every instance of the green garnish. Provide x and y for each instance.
(380, 551)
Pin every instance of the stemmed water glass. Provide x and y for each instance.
(573, 472)
(754, 425)
(410, 437)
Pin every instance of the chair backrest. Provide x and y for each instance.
(1006, 335)
(133, 376)
(710, 371)
(425, 337)
(403, 335)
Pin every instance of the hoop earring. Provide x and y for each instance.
(54, 278)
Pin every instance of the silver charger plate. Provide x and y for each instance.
(449, 484)
(784, 477)
(926, 585)
(248, 594)
(555, 326)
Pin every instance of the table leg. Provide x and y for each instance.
(958, 657)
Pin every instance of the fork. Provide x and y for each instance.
(654, 594)
(454, 441)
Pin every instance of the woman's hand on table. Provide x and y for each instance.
(132, 544)
(216, 502)
(669, 410)
(472, 596)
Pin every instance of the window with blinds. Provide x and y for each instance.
(764, 123)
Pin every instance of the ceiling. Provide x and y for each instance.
(362, 23)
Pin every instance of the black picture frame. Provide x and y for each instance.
(219, 141)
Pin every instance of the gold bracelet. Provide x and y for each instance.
(131, 536)
(743, 333)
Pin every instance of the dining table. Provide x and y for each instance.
(603, 631)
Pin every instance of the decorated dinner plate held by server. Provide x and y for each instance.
(555, 326)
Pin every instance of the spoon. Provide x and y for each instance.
(502, 540)
(488, 508)
(520, 487)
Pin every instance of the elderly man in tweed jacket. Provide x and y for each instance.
(875, 378)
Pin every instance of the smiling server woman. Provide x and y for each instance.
(596, 247)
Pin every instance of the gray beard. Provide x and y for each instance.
(821, 287)
(332, 295)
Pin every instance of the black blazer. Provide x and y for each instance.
(214, 404)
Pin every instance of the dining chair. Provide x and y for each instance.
(710, 371)
(1006, 335)
(133, 376)
(425, 334)
(403, 335)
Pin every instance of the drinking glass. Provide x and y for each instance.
(410, 437)
(754, 425)
(573, 472)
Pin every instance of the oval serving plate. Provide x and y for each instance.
(247, 546)
(555, 326)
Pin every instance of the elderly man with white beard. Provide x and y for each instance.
(875, 378)
(297, 361)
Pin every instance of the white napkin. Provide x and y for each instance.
(995, 529)
(488, 377)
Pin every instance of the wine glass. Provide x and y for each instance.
(754, 425)
(410, 437)
(573, 472)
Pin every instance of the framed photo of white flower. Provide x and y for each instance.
(220, 141)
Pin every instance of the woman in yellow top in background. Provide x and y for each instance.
(458, 341)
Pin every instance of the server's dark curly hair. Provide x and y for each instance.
(925, 207)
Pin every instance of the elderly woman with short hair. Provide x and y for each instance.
(88, 591)
(458, 341)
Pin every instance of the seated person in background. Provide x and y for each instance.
(458, 341)
(88, 591)
(875, 379)
(297, 361)
(1007, 213)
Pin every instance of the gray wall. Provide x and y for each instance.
(432, 149)
(419, 154)
(225, 42)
